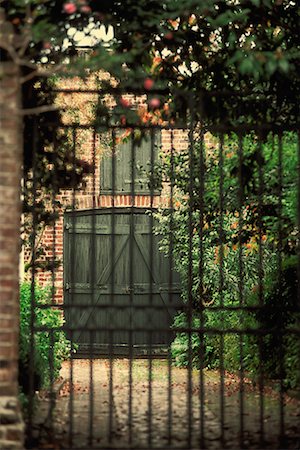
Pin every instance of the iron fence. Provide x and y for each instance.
(174, 294)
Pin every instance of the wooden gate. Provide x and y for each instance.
(117, 286)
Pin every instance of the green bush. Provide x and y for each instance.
(280, 313)
(49, 348)
(225, 247)
(217, 292)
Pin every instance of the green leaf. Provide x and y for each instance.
(246, 66)
(271, 66)
(283, 64)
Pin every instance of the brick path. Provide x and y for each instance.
(118, 422)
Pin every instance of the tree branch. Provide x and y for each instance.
(27, 34)
(39, 110)
(15, 57)
(43, 73)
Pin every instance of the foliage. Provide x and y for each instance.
(223, 64)
(49, 162)
(281, 348)
(225, 237)
(238, 60)
(50, 347)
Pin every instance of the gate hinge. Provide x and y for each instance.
(67, 226)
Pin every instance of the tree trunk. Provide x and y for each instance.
(11, 147)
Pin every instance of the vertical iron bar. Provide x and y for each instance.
(170, 415)
(201, 273)
(298, 240)
(240, 283)
(93, 263)
(32, 287)
(111, 386)
(150, 368)
(51, 379)
(71, 402)
(112, 296)
(91, 392)
(72, 279)
(201, 288)
(298, 234)
(53, 279)
(131, 281)
(152, 143)
(190, 272)
(170, 281)
(221, 279)
(298, 222)
(280, 251)
(221, 218)
(260, 159)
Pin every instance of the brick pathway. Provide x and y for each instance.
(113, 415)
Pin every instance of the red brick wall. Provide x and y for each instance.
(89, 196)
(79, 107)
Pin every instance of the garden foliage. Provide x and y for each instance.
(233, 241)
(50, 348)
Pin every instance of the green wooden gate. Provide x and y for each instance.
(114, 285)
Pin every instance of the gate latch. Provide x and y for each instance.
(127, 290)
(67, 287)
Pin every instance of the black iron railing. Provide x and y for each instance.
(179, 323)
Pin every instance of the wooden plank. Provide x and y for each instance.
(99, 230)
(101, 293)
(155, 274)
(123, 178)
(85, 316)
(108, 269)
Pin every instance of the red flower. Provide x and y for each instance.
(69, 8)
(125, 103)
(148, 83)
(169, 36)
(85, 9)
(154, 103)
(47, 45)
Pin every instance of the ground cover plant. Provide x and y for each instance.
(234, 218)
(50, 348)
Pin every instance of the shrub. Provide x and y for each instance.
(225, 247)
(280, 313)
(50, 347)
(217, 292)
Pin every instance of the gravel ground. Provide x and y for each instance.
(108, 405)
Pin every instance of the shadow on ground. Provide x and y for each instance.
(116, 404)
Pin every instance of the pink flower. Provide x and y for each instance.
(85, 9)
(69, 8)
(169, 36)
(154, 103)
(125, 103)
(148, 83)
(47, 45)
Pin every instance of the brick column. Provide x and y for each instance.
(11, 425)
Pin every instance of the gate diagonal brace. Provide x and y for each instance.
(104, 277)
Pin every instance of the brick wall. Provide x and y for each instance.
(79, 107)
(89, 196)
(11, 426)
